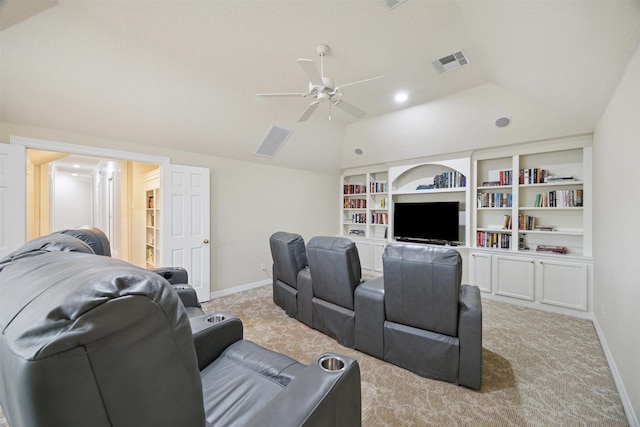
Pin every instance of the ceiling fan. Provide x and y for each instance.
(323, 88)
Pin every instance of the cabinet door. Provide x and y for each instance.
(378, 250)
(364, 252)
(513, 276)
(563, 283)
(480, 270)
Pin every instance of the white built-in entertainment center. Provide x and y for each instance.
(524, 217)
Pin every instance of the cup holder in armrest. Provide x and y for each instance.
(216, 318)
(331, 363)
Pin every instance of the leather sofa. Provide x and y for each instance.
(89, 340)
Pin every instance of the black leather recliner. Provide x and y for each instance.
(91, 340)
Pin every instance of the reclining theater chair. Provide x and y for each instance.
(88, 340)
(433, 324)
(420, 317)
(335, 273)
(291, 277)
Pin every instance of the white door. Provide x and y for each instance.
(185, 220)
(13, 177)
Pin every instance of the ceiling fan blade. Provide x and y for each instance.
(308, 111)
(310, 69)
(282, 94)
(359, 81)
(349, 108)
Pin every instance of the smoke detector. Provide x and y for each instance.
(392, 4)
(451, 62)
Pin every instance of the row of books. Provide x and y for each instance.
(534, 176)
(505, 177)
(354, 189)
(359, 218)
(495, 200)
(378, 187)
(489, 239)
(382, 203)
(350, 203)
(525, 222)
(452, 179)
(379, 218)
(559, 199)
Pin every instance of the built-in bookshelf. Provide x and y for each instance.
(544, 191)
(365, 205)
(152, 218)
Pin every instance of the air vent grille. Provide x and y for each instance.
(272, 141)
(392, 4)
(451, 62)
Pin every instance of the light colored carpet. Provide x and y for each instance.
(539, 369)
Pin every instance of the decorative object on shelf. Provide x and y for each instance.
(522, 244)
(356, 233)
(552, 249)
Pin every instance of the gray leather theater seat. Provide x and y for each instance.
(420, 317)
(335, 274)
(89, 340)
(291, 276)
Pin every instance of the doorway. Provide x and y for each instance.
(66, 190)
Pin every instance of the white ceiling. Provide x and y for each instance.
(184, 74)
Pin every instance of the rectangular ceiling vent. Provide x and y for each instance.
(392, 4)
(272, 141)
(451, 62)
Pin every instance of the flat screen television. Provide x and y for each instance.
(431, 222)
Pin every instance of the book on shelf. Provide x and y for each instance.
(491, 239)
(499, 177)
(425, 187)
(452, 179)
(506, 222)
(559, 199)
(354, 189)
(556, 178)
(378, 187)
(533, 176)
(490, 183)
(526, 222)
(551, 249)
(351, 203)
(543, 228)
(495, 200)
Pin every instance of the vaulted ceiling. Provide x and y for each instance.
(184, 74)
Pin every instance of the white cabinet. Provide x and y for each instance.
(370, 253)
(480, 270)
(542, 281)
(513, 276)
(563, 283)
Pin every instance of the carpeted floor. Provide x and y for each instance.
(539, 369)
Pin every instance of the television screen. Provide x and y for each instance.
(436, 221)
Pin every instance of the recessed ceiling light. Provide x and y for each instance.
(401, 96)
(76, 166)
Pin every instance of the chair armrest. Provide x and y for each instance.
(470, 335)
(317, 398)
(187, 294)
(370, 317)
(174, 275)
(211, 338)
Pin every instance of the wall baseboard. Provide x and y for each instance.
(241, 288)
(632, 417)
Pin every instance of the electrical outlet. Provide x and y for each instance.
(263, 267)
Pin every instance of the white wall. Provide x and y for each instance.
(248, 203)
(616, 231)
(72, 201)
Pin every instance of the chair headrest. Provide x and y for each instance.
(92, 236)
(44, 244)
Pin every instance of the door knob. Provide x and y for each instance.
(205, 241)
